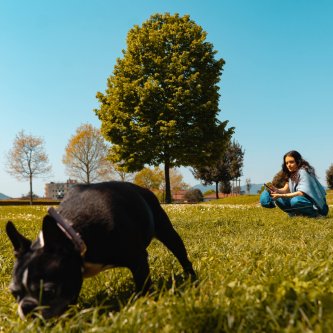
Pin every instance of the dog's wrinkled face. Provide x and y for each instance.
(47, 274)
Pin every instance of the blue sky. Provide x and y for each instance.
(276, 88)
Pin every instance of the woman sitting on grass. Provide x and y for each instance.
(302, 195)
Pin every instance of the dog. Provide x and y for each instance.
(96, 227)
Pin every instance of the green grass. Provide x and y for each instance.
(254, 199)
(259, 271)
(237, 200)
(330, 197)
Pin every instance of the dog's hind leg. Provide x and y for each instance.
(141, 273)
(165, 233)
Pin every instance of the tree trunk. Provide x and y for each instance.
(217, 190)
(168, 198)
(88, 174)
(30, 181)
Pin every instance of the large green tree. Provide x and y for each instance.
(161, 102)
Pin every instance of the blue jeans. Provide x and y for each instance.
(296, 206)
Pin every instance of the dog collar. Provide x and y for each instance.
(69, 231)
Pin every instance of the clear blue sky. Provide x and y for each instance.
(276, 88)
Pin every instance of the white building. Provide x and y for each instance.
(57, 191)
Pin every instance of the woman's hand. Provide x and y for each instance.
(276, 195)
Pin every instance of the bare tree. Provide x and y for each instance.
(248, 185)
(122, 174)
(114, 171)
(27, 159)
(85, 155)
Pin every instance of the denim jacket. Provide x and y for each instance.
(310, 186)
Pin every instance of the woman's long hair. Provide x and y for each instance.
(300, 162)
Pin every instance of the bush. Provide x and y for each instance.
(329, 177)
(193, 196)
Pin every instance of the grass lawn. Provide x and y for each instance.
(259, 271)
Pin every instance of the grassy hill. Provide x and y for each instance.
(258, 271)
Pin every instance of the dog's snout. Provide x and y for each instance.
(26, 306)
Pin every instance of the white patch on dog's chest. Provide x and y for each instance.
(90, 269)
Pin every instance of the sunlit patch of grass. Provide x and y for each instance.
(240, 200)
(258, 271)
(329, 197)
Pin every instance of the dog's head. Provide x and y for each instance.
(47, 274)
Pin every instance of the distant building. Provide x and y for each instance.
(178, 196)
(57, 191)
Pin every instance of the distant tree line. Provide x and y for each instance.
(86, 159)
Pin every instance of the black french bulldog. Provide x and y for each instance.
(96, 227)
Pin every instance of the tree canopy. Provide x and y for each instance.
(161, 102)
(148, 178)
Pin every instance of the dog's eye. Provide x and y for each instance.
(49, 290)
(44, 291)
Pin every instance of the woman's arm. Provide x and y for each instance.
(284, 189)
(284, 192)
(286, 195)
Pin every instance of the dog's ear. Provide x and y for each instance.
(53, 236)
(20, 243)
